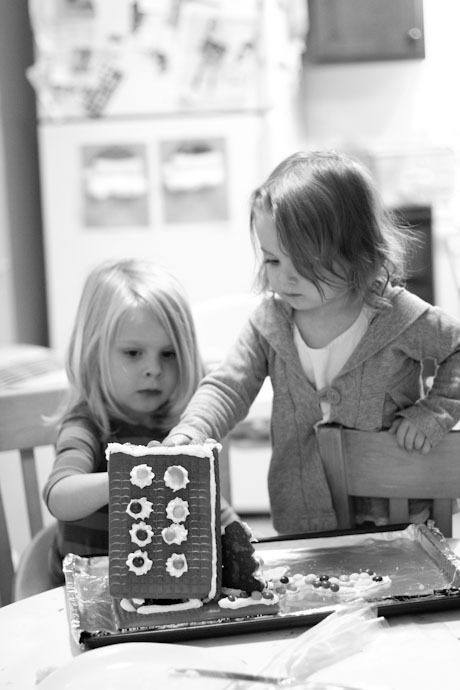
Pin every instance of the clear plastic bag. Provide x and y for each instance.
(345, 632)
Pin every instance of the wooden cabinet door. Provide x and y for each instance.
(420, 279)
(365, 30)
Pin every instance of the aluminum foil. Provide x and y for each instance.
(418, 559)
(90, 605)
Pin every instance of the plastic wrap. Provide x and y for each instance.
(343, 633)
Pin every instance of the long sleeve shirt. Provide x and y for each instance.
(80, 450)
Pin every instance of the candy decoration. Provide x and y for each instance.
(174, 534)
(177, 510)
(142, 476)
(141, 533)
(139, 562)
(139, 508)
(176, 565)
(176, 477)
(354, 584)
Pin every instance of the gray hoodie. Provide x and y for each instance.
(381, 379)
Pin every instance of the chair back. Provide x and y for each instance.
(363, 463)
(22, 428)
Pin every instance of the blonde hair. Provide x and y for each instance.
(330, 219)
(111, 291)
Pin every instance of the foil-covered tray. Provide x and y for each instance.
(424, 575)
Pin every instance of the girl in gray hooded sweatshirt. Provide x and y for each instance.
(337, 333)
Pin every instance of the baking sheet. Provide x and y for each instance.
(424, 572)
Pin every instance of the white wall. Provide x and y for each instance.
(410, 102)
(398, 106)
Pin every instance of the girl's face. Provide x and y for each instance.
(143, 365)
(299, 292)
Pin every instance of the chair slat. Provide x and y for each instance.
(6, 566)
(32, 490)
(442, 515)
(399, 510)
(330, 444)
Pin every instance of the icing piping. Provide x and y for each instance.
(212, 478)
(204, 451)
(161, 608)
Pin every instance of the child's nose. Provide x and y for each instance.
(290, 277)
(153, 367)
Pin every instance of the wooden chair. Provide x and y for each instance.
(32, 574)
(22, 429)
(361, 463)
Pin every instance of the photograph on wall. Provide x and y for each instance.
(194, 180)
(115, 186)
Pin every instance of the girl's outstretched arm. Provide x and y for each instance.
(77, 496)
(225, 395)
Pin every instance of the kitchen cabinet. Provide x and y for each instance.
(365, 30)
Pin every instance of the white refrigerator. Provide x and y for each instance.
(157, 120)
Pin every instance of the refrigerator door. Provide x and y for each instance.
(172, 188)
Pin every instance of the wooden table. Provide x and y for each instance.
(420, 652)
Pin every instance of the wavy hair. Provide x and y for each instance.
(110, 292)
(332, 224)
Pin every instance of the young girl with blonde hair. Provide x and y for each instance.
(341, 339)
(132, 364)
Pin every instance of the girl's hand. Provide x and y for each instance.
(409, 437)
(177, 440)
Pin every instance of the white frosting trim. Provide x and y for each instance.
(347, 591)
(213, 496)
(201, 451)
(161, 608)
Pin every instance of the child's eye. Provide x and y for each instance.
(169, 354)
(132, 354)
(271, 262)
